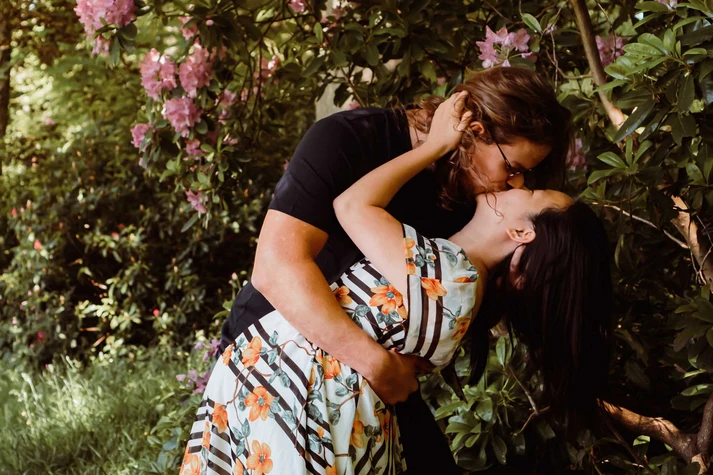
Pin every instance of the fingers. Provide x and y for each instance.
(464, 121)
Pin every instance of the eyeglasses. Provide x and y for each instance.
(513, 171)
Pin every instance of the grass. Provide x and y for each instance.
(124, 417)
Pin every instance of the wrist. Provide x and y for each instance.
(373, 359)
(434, 149)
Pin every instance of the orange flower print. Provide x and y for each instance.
(386, 297)
(331, 366)
(408, 245)
(252, 353)
(260, 460)
(228, 354)
(259, 403)
(385, 422)
(220, 417)
(357, 438)
(191, 465)
(206, 436)
(238, 468)
(331, 471)
(463, 280)
(320, 431)
(433, 287)
(462, 324)
(342, 295)
(410, 268)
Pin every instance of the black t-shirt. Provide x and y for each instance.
(334, 153)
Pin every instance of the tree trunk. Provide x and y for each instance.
(6, 14)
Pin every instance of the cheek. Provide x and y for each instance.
(490, 170)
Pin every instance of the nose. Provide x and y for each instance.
(517, 181)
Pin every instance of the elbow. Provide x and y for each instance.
(343, 206)
(260, 278)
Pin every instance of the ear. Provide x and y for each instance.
(478, 129)
(521, 235)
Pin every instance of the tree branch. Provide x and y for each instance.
(656, 427)
(584, 23)
(638, 218)
(689, 230)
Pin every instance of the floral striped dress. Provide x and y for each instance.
(277, 404)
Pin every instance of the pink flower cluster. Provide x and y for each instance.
(195, 380)
(196, 201)
(196, 70)
(267, 69)
(610, 49)
(498, 48)
(188, 32)
(182, 113)
(90, 13)
(297, 5)
(212, 348)
(158, 73)
(138, 132)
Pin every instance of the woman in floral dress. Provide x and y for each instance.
(277, 404)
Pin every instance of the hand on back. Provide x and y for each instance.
(397, 376)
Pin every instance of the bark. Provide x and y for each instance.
(5, 53)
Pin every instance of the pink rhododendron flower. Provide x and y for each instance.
(182, 113)
(297, 5)
(267, 68)
(37, 245)
(228, 98)
(91, 12)
(194, 380)
(49, 121)
(498, 48)
(188, 32)
(158, 72)
(41, 336)
(193, 149)
(14, 212)
(196, 201)
(609, 49)
(196, 70)
(156, 312)
(138, 133)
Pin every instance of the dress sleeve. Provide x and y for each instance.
(441, 296)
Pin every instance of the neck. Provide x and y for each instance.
(485, 250)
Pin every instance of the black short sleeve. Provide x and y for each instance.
(326, 162)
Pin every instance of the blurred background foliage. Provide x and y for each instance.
(139, 153)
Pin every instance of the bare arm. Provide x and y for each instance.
(287, 276)
(360, 209)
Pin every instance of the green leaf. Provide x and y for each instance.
(314, 66)
(484, 409)
(599, 174)
(371, 54)
(695, 174)
(651, 7)
(641, 49)
(190, 223)
(319, 32)
(532, 22)
(501, 350)
(500, 449)
(635, 120)
(686, 93)
(612, 160)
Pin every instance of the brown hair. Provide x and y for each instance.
(511, 103)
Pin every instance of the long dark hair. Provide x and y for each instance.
(561, 309)
(512, 103)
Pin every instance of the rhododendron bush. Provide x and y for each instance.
(138, 168)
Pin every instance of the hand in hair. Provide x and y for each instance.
(448, 124)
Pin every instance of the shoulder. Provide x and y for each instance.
(451, 261)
